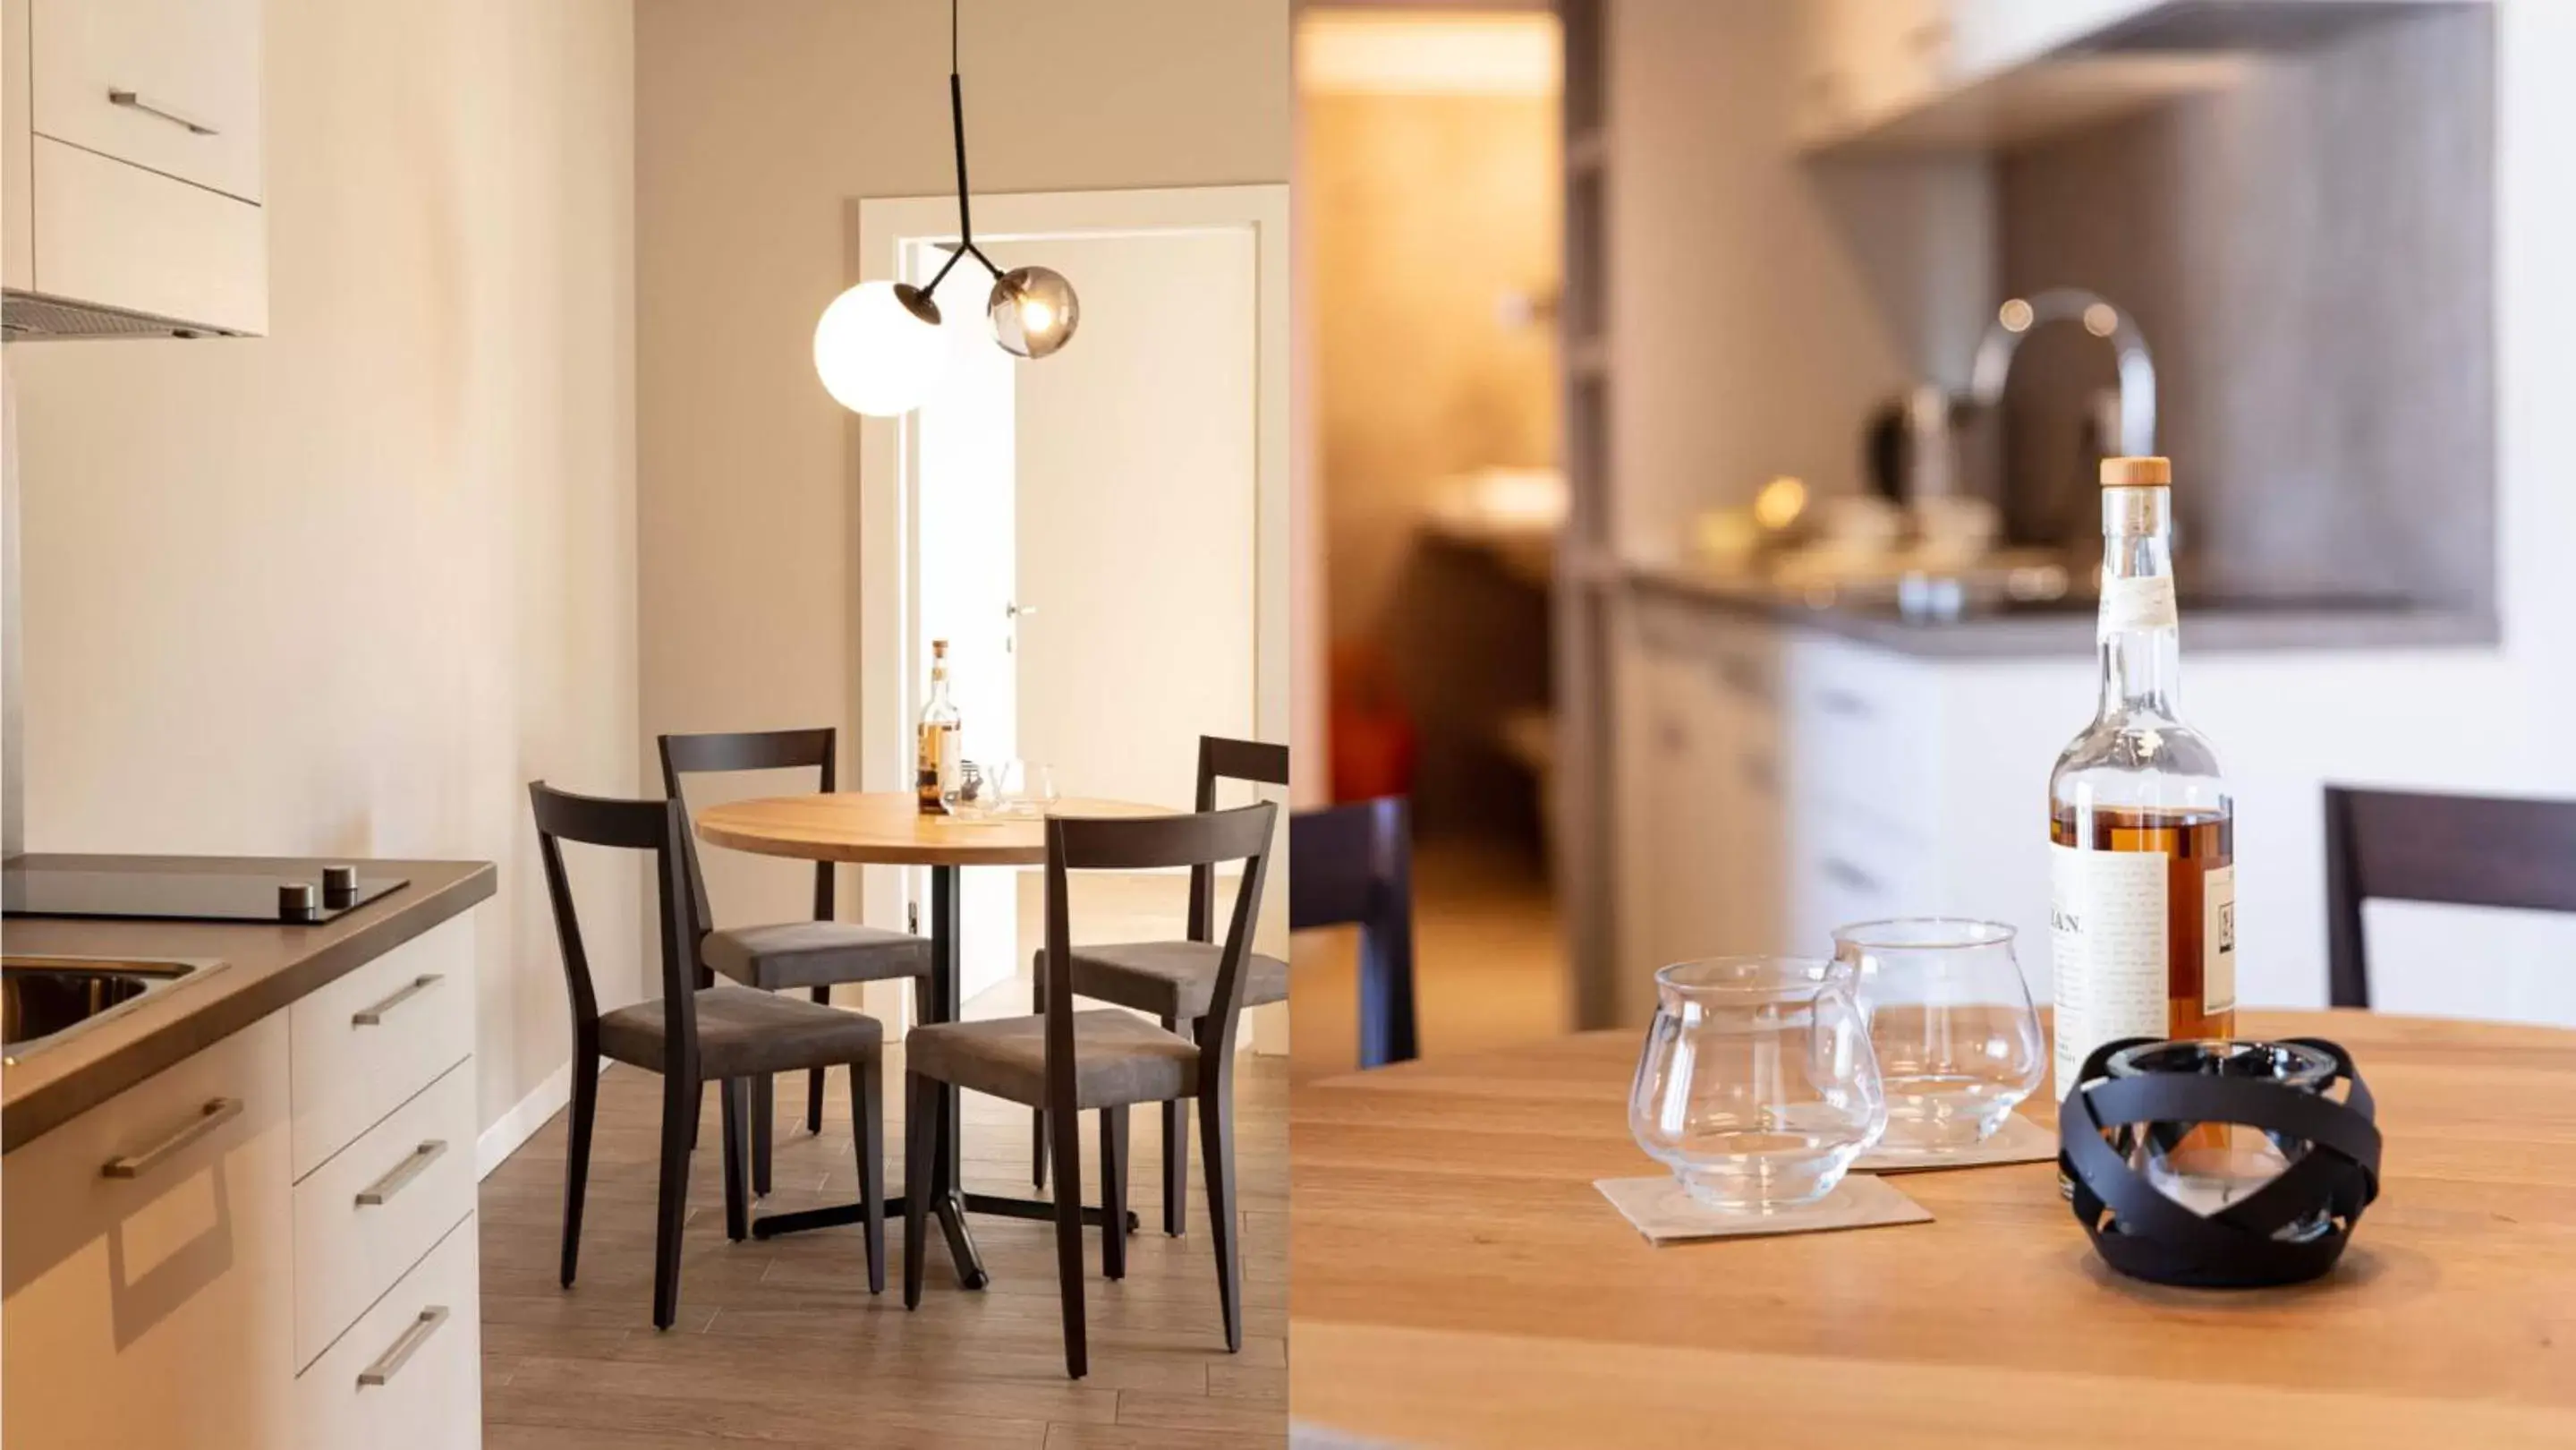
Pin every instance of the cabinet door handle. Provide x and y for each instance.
(137, 101)
(375, 1016)
(216, 1113)
(1843, 703)
(390, 1363)
(1851, 875)
(382, 1191)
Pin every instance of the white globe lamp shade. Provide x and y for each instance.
(874, 354)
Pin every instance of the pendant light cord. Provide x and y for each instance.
(957, 126)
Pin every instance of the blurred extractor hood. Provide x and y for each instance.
(34, 317)
(2202, 27)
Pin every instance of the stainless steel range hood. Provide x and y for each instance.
(34, 317)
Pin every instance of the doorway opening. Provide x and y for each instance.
(1430, 172)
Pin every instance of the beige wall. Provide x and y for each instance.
(756, 127)
(344, 590)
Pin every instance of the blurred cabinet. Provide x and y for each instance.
(133, 151)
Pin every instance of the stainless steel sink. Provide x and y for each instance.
(48, 1000)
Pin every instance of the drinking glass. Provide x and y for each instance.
(1757, 1087)
(2207, 1166)
(969, 796)
(1950, 1019)
(1023, 788)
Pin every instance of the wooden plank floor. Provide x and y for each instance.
(779, 1344)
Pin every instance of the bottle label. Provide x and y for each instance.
(2107, 941)
(2218, 939)
(2132, 604)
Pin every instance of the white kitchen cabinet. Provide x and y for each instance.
(1868, 59)
(409, 1374)
(149, 1253)
(133, 147)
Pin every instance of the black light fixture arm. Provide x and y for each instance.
(957, 127)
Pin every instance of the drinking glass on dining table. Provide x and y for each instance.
(1757, 1086)
(1023, 788)
(1957, 1041)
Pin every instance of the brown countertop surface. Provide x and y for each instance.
(266, 967)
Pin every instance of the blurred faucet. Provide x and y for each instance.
(2014, 320)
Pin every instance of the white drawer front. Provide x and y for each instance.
(154, 1309)
(368, 1215)
(421, 1348)
(106, 232)
(188, 73)
(369, 1041)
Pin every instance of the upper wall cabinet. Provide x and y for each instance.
(133, 160)
(1977, 74)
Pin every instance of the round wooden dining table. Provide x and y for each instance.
(888, 828)
(1457, 1280)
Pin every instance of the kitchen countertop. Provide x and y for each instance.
(2067, 628)
(266, 967)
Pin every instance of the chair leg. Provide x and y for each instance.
(814, 1079)
(681, 1102)
(585, 1109)
(867, 1133)
(764, 1115)
(1176, 1146)
(920, 1167)
(735, 1094)
(1064, 1137)
(1037, 1116)
(1113, 1192)
(1216, 1133)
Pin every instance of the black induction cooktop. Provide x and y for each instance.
(190, 895)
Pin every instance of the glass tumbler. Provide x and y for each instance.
(1757, 1087)
(1950, 1018)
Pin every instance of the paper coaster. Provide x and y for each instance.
(1667, 1215)
(2019, 1140)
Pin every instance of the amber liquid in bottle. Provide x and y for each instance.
(2194, 844)
(935, 745)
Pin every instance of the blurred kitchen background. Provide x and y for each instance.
(1701, 412)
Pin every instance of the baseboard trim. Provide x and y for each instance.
(521, 1122)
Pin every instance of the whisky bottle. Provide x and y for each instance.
(2142, 834)
(935, 758)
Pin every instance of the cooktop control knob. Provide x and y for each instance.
(340, 885)
(298, 901)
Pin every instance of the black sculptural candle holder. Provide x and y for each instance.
(2219, 1164)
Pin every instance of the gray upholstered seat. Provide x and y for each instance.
(1118, 1059)
(814, 954)
(743, 1033)
(1175, 979)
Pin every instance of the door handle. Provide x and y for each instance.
(1016, 610)
(216, 1113)
(137, 101)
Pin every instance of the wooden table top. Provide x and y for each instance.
(1457, 1281)
(887, 828)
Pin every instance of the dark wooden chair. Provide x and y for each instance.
(2454, 849)
(815, 955)
(1174, 980)
(692, 1036)
(1352, 865)
(1106, 1060)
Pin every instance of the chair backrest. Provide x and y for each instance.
(1257, 761)
(745, 750)
(2456, 849)
(656, 826)
(1153, 843)
(1352, 865)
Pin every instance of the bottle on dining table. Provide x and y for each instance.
(2142, 880)
(936, 746)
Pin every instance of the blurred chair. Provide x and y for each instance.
(692, 1036)
(1174, 980)
(1070, 1062)
(2454, 849)
(1352, 865)
(813, 954)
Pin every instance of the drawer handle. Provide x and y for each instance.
(216, 1113)
(382, 1191)
(390, 1363)
(137, 101)
(375, 1016)
(1851, 875)
(1843, 703)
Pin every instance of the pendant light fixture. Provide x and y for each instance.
(878, 347)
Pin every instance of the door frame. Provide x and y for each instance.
(888, 679)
